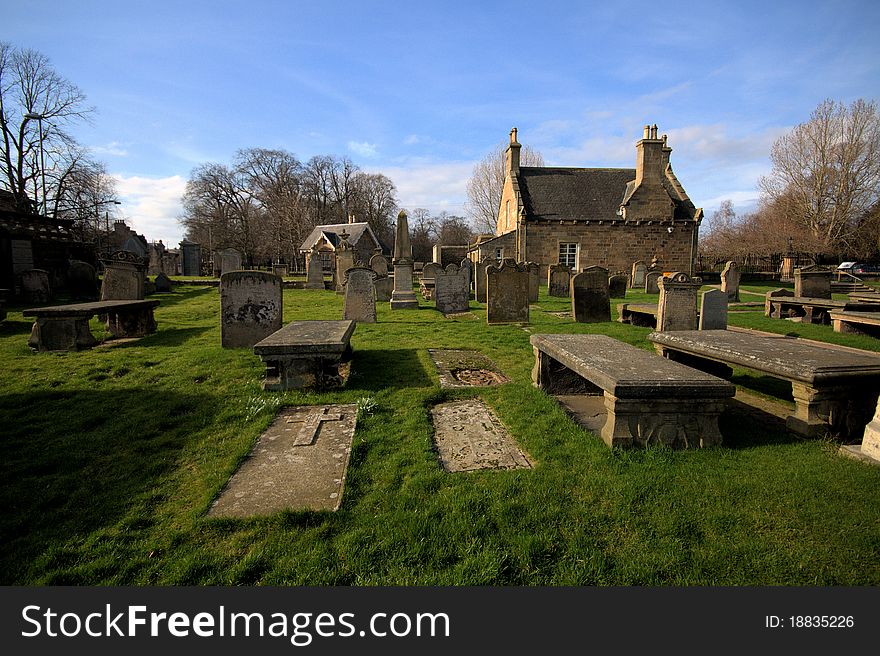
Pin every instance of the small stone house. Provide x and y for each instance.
(326, 238)
(606, 217)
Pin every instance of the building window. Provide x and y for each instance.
(499, 254)
(568, 255)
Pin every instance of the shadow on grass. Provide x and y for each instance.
(78, 461)
(167, 299)
(379, 369)
(744, 426)
(12, 327)
(164, 337)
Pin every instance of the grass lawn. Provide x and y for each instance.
(112, 456)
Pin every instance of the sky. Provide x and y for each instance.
(421, 91)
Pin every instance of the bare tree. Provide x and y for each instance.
(374, 200)
(487, 182)
(826, 172)
(37, 106)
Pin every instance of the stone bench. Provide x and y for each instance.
(305, 354)
(649, 399)
(812, 310)
(638, 314)
(66, 327)
(834, 390)
(859, 323)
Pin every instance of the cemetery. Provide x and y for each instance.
(269, 430)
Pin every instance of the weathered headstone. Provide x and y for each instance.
(730, 281)
(558, 280)
(430, 270)
(429, 273)
(617, 285)
(480, 279)
(507, 292)
(638, 274)
(534, 273)
(677, 307)
(191, 255)
(314, 270)
(344, 261)
(250, 307)
(162, 282)
(280, 270)
(590, 302)
(651, 282)
(451, 291)
(230, 260)
(123, 277)
(403, 297)
(82, 281)
(360, 295)
(467, 265)
(713, 310)
(773, 294)
(812, 283)
(379, 264)
(35, 286)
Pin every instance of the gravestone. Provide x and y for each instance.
(230, 260)
(559, 280)
(638, 274)
(812, 283)
(590, 302)
(730, 281)
(451, 292)
(280, 270)
(507, 292)
(534, 271)
(430, 270)
(379, 264)
(344, 261)
(82, 281)
(384, 288)
(772, 294)
(480, 279)
(403, 297)
(250, 307)
(314, 270)
(35, 286)
(677, 307)
(617, 285)
(162, 282)
(360, 295)
(871, 438)
(713, 310)
(191, 255)
(429, 273)
(651, 282)
(467, 265)
(123, 277)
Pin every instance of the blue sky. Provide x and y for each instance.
(420, 91)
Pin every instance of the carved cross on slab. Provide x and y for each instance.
(311, 424)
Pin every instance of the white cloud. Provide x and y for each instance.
(433, 186)
(152, 205)
(114, 148)
(362, 148)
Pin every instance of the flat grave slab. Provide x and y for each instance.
(465, 368)
(469, 437)
(299, 463)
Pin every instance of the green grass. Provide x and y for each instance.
(112, 456)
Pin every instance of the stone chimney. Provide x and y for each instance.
(513, 150)
(351, 217)
(664, 156)
(649, 158)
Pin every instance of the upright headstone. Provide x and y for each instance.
(191, 254)
(344, 261)
(713, 310)
(314, 270)
(123, 277)
(360, 295)
(651, 282)
(82, 281)
(230, 260)
(250, 307)
(451, 291)
(617, 285)
(507, 292)
(559, 280)
(590, 302)
(280, 270)
(638, 274)
(730, 281)
(534, 280)
(468, 266)
(35, 286)
(403, 297)
(429, 271)
(162, 282)
(677, 307)
(155, 252)
(379, 265)
(812, 283)
(480, 278)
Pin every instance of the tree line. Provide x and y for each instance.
(822, 195)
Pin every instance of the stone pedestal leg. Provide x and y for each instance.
(811, 413)
(136, 323)
(63, 334)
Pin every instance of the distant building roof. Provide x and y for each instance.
(331, 233)
(573, 193)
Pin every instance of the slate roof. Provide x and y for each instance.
(573, 193)
(332, 231)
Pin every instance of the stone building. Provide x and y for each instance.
(326, 238)
(604, 217)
